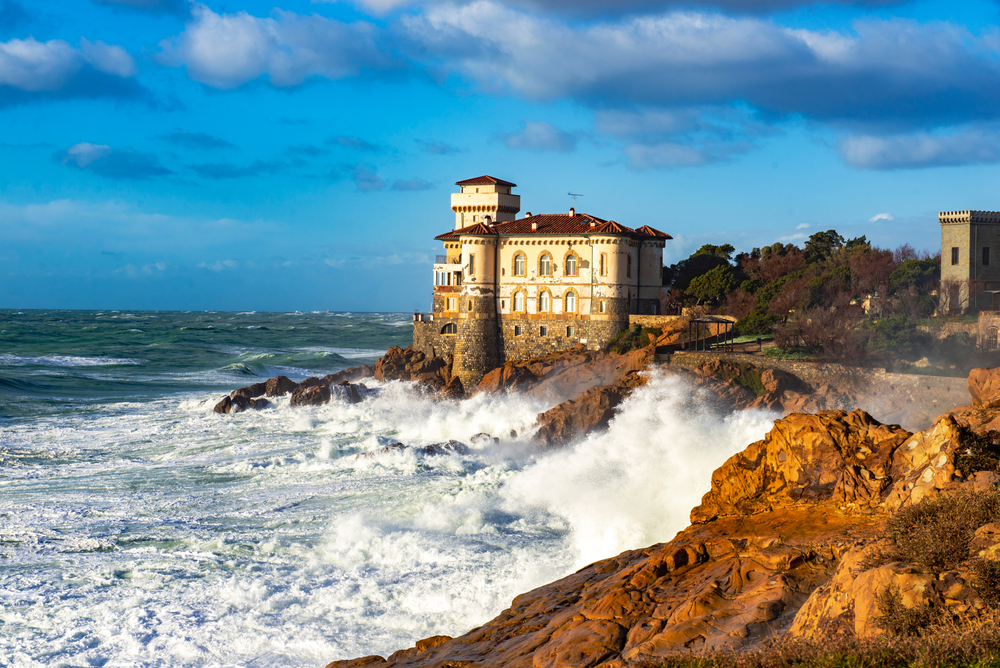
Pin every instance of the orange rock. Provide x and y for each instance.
(984, 386)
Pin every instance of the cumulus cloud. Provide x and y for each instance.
(30, 69)
(411, 185)
(102, 160)
(366, 179)
(920, 150)
(802, 226)
(881, 216)
(196, 140)
(541, 136)
(227, 50)
(893, 72)
(618, 7)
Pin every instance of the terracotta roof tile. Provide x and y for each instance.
(485, 180)
(556, 223)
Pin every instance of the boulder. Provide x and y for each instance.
(225, 405)
(412, 364)
(311, 396)
(312, 381)
(349, 375)
(349, 392)
(251, 391)
(279, 386)
(588, 411)
(832, 456)
(452, 389)
(258, 404)
(984, 387)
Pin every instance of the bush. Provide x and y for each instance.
(981, 452)
(987, 580)
(633, 338)
(758, 321)
(742, 374)
(937, 532)
(898, 620)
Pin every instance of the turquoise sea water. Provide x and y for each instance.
(138, 528)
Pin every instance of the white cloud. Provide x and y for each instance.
(227, 50)
(219, 265)
(881, 216)
(541, 136)
(36, 66)
(802, 226)
(84, 153)
(920, 150)
(108, 58)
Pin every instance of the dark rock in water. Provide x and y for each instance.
(482, 438)
(411, 364)
(349, 375)
(347, 392)
(453, 389)
(588, 411)
(449, 448)
(311, 396)
(250, 391)
(240, 403)
(312, 381)
(279, 386)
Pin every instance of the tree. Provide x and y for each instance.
(702, 261)
(712, 285)
(919, 274)
(821, 245)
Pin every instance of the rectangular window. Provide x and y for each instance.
(543, 330)
(452, 304)
(604, 264)
(986, 256)
(517, 330)
(954, 254)
(472, 265)
(570, 332)
(604, 306)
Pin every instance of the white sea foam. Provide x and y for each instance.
(161, 534)
(66, 361)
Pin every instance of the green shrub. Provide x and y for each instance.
(987, 580)
(633, 338)
(898, 620)
(937, 532)
(758, 321)
(744, 375)
(980, 452)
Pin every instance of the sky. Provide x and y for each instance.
(299, 155)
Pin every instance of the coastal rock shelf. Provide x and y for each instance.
(775, 549)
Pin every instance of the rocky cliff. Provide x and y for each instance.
(779, 547)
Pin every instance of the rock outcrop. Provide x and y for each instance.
(588, 411)
(412, 364)
(984, 387)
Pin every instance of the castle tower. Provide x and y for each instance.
(477, 346)
(970, 260)
(481, 197)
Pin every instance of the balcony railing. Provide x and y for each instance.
(423, 317)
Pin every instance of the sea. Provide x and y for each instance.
(140, 528)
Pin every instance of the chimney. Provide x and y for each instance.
(534, 227)
(572, 211)
(488, 219)
(593, 223)
(527, 214)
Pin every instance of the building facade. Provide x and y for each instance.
(970, 264)
(509, 289)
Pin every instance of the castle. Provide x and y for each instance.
(509, 289)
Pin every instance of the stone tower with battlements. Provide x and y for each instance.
(970, 261)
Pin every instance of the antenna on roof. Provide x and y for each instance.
(574, 196)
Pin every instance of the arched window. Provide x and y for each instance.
(628, 266)
(519, 265)
(991, 339)
(571, 265)
(451, 329)
(545, 265)
(570, 302)
(543, 302)
(518, 301)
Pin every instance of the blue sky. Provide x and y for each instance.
(167, 154)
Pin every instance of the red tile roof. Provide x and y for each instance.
(557, 223)
(485, 181)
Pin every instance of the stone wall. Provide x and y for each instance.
(656, 321)
(428, 339)
(880, 393)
